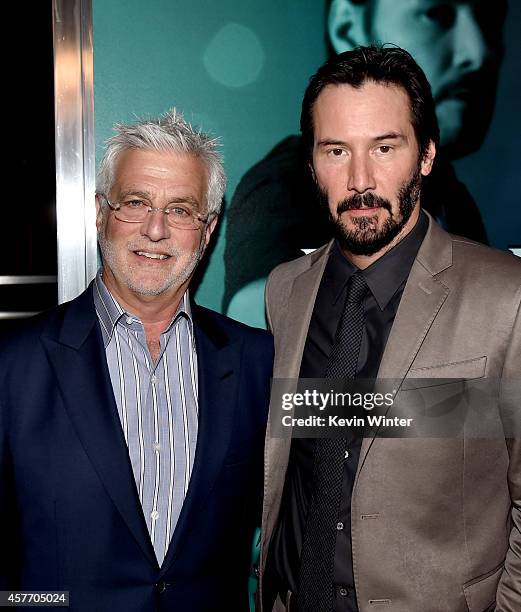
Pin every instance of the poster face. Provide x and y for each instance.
(239, 69)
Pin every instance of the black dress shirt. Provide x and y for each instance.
(386, 279)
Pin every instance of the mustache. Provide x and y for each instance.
(358, 200)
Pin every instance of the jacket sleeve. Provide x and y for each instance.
(10, 545)
(508, 596)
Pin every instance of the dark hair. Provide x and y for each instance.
(381, 64)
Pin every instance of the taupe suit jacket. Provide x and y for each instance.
(436, 523)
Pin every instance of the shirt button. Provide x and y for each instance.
(154, 515)
(346, 455)
(157, 446)
(343, 592)
(129, 320)
(153, 378)
(340, 525)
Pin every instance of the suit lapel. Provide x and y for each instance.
(422, 299)
(289, 348)
(218, 367)
(79, 363)
(292, 339)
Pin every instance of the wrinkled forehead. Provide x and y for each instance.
(150, 172)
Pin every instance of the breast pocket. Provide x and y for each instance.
(449, 399)
(445, 373)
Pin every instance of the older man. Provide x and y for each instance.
(132, 419)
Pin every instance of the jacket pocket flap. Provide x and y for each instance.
(445, 373)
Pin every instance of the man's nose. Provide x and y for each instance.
(360, 176)
(471, 48)
(155, 226)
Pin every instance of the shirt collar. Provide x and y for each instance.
(110, 312)
(387, 274)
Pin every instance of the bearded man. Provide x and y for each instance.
(459, 45)
(369, 522)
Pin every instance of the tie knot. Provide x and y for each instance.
(357, 288)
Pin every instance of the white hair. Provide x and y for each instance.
(169, 132)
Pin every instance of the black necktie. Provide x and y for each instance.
(318, 548)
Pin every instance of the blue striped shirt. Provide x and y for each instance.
(157, 406)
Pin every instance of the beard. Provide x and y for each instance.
(366, 238)
(127, 275)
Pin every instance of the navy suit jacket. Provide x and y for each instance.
(70, 514)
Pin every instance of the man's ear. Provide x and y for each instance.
(208, 231)
(428, 159)
(346, 24)
(99, 212)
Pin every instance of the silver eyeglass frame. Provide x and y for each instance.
(196, 216)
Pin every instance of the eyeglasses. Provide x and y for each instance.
(134, 210)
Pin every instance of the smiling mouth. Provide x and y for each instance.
(157, 256)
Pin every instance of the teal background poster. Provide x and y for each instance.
(238, 68)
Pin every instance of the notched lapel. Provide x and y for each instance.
(422, 299)
(218, 368)
(80, 366)
(300, 306)
(290, 345)
(289, 348)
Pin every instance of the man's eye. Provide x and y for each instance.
(133, 203)
(335, 152)
(442, 14)
(179, 211)
(384, 149)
